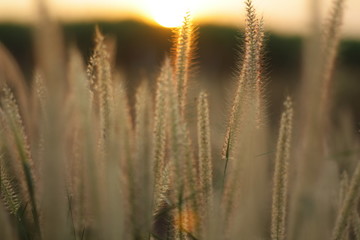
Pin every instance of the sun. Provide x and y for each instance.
(170, 13)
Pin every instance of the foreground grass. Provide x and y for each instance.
(78, 161)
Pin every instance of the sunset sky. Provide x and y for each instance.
(284, 16)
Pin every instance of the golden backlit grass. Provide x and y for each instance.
(78, 161)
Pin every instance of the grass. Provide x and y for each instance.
(80, 161)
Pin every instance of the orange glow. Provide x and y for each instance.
(280, 16)
(170, 13)
(186, 221)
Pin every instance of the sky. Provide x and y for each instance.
(283, 16)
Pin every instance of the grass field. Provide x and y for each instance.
(87, 152)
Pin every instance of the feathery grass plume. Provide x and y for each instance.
(73, 150)
(99, 74)
(251, 68)
(12, 77)
(7, 190)
(244, 122)
(95, 204)
(108, 166)
(15, 125)
(160, 125)
(204, 160)
(249, 81)
(183, 59)
(329, 44)
(141, 176)
(162, 205)
(163, 170)
(186, 217)
(51, 61)
(180, 153)
(280, 180)
(17, 144)
(166, 104)
(261, 103)
(120, 147)
(348, 205)
(81, 177)
(115, 154)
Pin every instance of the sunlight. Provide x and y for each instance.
(170, 13)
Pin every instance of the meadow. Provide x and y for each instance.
(86, 155)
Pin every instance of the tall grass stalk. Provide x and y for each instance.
(348, 205)
(330, 43)
(143, 178)
(204, 161)
(247, 121)
(280, 180)
(312, 128)
(183, 161)
(160, 127)
(248, 83)
(183, 58)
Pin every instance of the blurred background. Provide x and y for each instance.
(141, 31)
